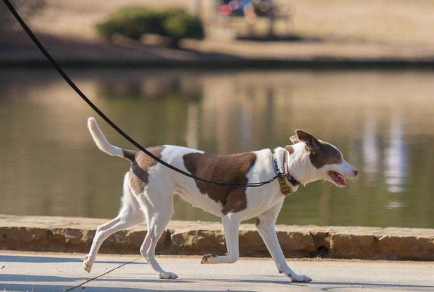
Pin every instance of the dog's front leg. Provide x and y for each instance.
(265, 225)
(231, 227)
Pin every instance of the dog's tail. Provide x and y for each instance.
(104, 145)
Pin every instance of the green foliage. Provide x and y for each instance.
(178, 24)
(133, 22)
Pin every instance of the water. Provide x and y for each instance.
(381, 120)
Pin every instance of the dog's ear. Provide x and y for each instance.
(311, 142)
(294, 139)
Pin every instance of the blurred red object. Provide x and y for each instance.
(225, 10)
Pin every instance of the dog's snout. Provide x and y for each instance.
(355, 172)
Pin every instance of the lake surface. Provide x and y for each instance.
(381, 120)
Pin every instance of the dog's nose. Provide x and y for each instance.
(355, 172)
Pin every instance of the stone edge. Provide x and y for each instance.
(73, 234)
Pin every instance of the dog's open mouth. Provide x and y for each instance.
(337, 178)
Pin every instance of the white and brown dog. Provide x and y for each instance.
(149, 188)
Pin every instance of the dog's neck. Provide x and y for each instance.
(299, 165)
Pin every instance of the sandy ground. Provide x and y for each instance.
(396, 30)
(63, 272)
(385, 21)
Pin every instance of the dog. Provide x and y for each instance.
(148, 190)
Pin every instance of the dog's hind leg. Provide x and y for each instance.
(123, 221)
(158, 212)
(265, 225)
(231, 226)
(129, 216)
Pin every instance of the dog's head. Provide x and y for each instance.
(325, 161)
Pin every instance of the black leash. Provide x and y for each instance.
(105, 118)
(97, 277)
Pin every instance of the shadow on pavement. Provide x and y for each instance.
(341, 285)
(135, 280)
(32, 259)
(58, 288)
(37, 278)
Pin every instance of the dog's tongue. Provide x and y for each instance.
(337, 178)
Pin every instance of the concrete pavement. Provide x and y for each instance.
(60, 272)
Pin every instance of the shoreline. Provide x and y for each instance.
(18, 51)
(287, 64)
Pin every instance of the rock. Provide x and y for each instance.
(296, 244)
(251, 244)
(197, 242)
(406, 248)
(354, 246)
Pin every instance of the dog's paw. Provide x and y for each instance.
(300, 279)
(206, 258)
(87, 264)
(167, 275)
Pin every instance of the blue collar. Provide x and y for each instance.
(286, 173)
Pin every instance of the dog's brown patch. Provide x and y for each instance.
(290, 149)
(222, 168)
(129, 154)
(321, 153)
(139, 168)
(325, 154)
(258, 221)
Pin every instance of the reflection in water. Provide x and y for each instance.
(371, 149)
(47, 151)
(396, 158)
(191, 135)
(396, 162)
(246, 122)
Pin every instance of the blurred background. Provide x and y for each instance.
(225, 77)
